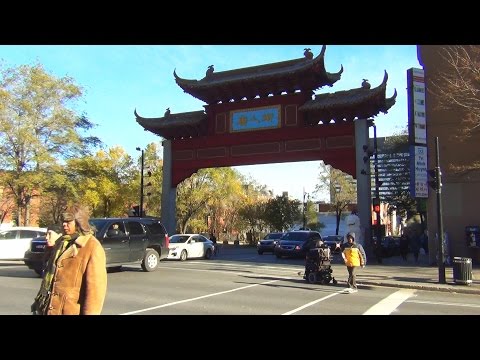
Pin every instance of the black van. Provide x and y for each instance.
(125, 240)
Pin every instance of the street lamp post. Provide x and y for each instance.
(304, 208)
(441, 235)
(141, 184)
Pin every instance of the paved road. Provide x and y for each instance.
(241, 282)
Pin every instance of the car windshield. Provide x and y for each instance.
(273, 236)
(330, 238)
(97, 224)
(178, 239)
(295, 236)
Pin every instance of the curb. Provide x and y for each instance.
(461, 289)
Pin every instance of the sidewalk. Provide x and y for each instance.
(395, 272)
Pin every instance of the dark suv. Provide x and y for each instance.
(125, 240)
(296, 243)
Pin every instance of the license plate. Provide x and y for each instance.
(40, 247)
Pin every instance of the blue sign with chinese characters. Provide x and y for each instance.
(255, 119)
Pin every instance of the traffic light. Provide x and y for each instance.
(435, 182)
(376, 205)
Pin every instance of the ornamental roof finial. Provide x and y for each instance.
(308, 53)
(366, 84)
(210, 71)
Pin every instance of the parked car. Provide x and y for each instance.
(269, 242)
(296, 243)
(16, 240)
(125, 240)
(188, 246)
(333, 242)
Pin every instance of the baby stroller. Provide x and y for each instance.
(317, 265)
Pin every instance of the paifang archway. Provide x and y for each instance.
(269, 114)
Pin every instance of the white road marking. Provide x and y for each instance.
(198, 298)
(314, 302)
(245, 270)
(390, 303)
(229, 265)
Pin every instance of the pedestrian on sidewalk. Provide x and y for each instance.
(404, 246)
(353, 255)
(415, 245)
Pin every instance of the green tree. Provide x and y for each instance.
(38, 126)
(105, 182)
(193, 195)
(252, 207)
(153, 178)
(340, 186)
(312, 217)
(226, 195)
(281, 212)
(58, 191)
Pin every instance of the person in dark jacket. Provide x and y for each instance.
(353, 255)
(404, 243)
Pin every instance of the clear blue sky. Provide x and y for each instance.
(120, 78)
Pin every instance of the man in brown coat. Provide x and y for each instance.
(75, 279)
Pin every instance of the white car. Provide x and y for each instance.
(15, 241)
(188, 246)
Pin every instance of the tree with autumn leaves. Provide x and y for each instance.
(39, 128)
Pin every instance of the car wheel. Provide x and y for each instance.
(150, 260)
(312, 278)
(208, 254)
(183, 255)
(38, 271)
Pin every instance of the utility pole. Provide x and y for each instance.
(141, 185)
(376, 205)
(436, 184)
(304, 209)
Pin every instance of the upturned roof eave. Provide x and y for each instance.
(300, 69)
(348, 98)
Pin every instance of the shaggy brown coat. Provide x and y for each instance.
(80, 280)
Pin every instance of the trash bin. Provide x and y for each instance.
(462, 270)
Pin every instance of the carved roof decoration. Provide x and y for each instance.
(176, 126)
(304, 74)
(361, 103)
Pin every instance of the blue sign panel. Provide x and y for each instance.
(255, 119)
